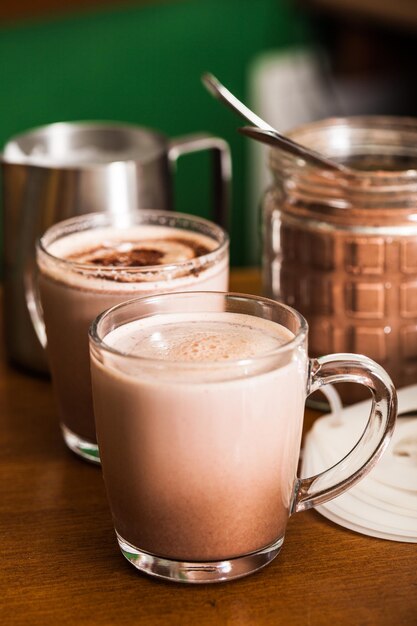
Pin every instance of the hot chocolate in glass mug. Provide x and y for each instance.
(199, 402)
(92, 262)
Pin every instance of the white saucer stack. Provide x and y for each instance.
(384, 503)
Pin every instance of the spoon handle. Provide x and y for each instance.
(220, 92)
(273, 138)
(264, 132)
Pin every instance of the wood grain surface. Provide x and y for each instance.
(60, 563)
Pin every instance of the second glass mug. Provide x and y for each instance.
(70, 294)
(200, 455)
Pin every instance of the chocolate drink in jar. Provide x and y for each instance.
(343, 249)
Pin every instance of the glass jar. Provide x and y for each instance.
(342, 249)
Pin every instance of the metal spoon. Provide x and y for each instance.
(264, 132)
(272, 138)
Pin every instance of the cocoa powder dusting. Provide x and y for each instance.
(130, 254)
(136, 256)
(131, 258)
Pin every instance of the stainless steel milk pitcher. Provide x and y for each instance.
(65, 169)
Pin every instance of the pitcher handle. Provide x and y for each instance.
(222, 168)
(337, 368)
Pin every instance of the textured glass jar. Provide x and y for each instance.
(343, 249)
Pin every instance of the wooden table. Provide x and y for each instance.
(60, 563)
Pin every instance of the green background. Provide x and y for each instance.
(143, 65)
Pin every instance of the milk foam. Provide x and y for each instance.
(171, 242)
(177, 261)
(204, 337)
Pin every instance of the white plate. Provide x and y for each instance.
(384, 503)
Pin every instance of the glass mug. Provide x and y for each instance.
(73, 292)
(199, 402)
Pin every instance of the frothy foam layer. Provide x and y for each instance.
(108, 257)
(146, 253)
(204, 338)
(133, 247)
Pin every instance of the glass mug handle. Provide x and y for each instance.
(33, 302)
(222, 168)
(353, 368)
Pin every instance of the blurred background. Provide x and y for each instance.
(140, 61)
